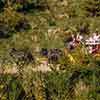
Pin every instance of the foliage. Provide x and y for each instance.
(30, 29)
(92, 8)
(8, 22)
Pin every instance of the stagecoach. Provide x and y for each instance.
(93, 48)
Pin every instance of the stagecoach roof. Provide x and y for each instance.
(92, 43)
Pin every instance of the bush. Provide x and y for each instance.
(31, 6)
(22, 57)
(22, 25)
(8, 20)
(11, 88)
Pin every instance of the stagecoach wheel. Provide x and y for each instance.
(44, 52)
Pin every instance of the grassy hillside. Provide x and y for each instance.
(34, 64)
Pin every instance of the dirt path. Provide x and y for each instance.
(43, 67)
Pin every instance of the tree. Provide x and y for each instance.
(1, 5)
(92, 8)
(12, 22)
(30, 5)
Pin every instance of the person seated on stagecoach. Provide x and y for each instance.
(96, 36)
(94, 42)
(79, 38)
(71, 43)
(76, 39)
